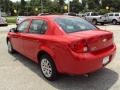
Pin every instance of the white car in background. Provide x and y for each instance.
(3, 21)
(19, 19)
(94, 18)
(113, 17)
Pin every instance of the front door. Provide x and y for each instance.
(16, 37)
(33, 39)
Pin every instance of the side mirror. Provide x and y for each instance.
(14, 30)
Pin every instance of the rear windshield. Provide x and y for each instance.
(74, 24)
(94, 14)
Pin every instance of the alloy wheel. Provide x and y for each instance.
(46, 68)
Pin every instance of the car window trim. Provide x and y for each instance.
(111, 14)
(25, 31)
(38, 19)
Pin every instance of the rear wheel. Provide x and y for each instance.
(48, 68)
(10, 48)
(114, 22)
(94, 21)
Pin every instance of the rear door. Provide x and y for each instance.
(106, 18)
(87, 17)
(110, 17)
(16, 38)
(117, 17)
(33, 39)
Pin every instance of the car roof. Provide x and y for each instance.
(48, 16)
(114, 12)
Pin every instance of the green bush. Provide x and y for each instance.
(103, 11)
(11, 19)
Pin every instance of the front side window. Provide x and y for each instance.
(23, 26)
(110, 14)
(38, 26)
(74, 24)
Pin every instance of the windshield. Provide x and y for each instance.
(74, 24)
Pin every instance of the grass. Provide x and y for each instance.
(11, 19)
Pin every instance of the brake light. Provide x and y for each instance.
(79, 46)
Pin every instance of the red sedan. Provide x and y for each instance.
(62, 44)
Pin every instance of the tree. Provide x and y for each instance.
(22, 7)
(61, 5)
(75, 6)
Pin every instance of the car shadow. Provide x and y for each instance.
(100, 80)
(109, 24)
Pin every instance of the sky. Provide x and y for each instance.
(16, 0)
(27, 0)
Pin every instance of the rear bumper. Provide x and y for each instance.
(88, 62)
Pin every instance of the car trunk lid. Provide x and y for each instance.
(95, 39)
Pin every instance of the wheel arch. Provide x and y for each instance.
(42, 52)
(114, 19)
(7, 39)
(94, 19)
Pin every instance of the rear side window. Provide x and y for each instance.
(116, 14)
(106, 15)
(38, 26)
(88, 14)
(94, 14)
(110, 14)
(74, 24)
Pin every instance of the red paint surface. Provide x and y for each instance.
(62, 47)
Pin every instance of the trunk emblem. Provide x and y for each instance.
(94, 48)
(104, 40)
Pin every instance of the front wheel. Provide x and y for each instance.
(48, 68)
(114, 22)
(94, 21)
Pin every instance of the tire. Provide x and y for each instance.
(48, 67)
(94, 21)
(10, 48)
(6, 24)
(102, 23)
(114, 22)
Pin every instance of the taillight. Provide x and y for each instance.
(79, 46)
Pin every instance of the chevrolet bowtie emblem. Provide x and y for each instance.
(104, 40)
(94, 48)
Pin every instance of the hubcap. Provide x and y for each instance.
(114, 22)
(94, 22)
(9, 46)
(46, 67)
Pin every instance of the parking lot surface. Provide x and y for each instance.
(19, 73)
